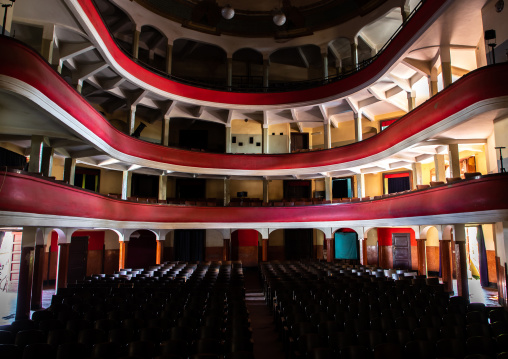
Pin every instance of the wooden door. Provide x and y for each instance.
(78, 254)
(401, 250)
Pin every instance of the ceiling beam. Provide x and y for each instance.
(423, 67)
(303, 57)
(91, 152)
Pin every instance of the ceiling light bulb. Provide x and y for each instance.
(228, 12)
(279, 18)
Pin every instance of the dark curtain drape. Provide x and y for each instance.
(398, 184)
(482, 253)
(11, 159)
(190, 245)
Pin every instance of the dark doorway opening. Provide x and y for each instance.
(396, 182)
(401, 248)
(299, 141)
(78, 255)
(193, 139)
(298, 244)
(141, 250)
(190, 188)
(297, 189)
(342, 187)
(145, 186)
(189, 245)
(87, 178)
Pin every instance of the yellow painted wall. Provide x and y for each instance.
(58, 167)
(488, 235)
(254, 188)
(215, 188)
(243, 131)
(432, 237)
(319, 184)
(372, 237)
(111, 182)
(276, 238)
(426, 168)
(481, 160)
(275, 190)
(111, 240)
(318, 237)
(373, 184)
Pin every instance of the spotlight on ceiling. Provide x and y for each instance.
(228, 12)
(279, 18)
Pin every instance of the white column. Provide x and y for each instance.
(126, 184)
(360, 185)
(265, 190)
(439, 164)
(227, 192)
(169, 58)
(37, 145)
(501, 140)
(48, 41)
(230, 72)
(453, 159)
(417, 174)
(358, 127)
(411, 95)
(69, 170)
(328, 188)
(327, 138)
(135, 43)
(163, 187)
(354, 52)
(165, 131)
(446, 65)
(265, 139)
(228, 138)
(433, 82)
(132, 119)
(324, 56)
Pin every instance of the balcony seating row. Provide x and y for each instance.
(326, 310)
(175, 310)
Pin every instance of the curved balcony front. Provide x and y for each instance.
(91, 20)
(32, 200)
(23, 72)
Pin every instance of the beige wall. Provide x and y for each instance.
(373, 184)
(243, 131)
(426, 168)
(276, 238)
(111, 181)
(111, 240)
(58, 167)
(215, 188)
(372, 237)
(254, 188)
(214, 238)
(480, 158)
(275, 190)
(278, 143)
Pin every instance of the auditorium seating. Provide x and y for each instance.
(173, 310)
(363, 314)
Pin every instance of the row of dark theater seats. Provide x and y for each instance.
(175, 310)
(323, 311)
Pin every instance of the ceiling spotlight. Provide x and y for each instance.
(279, 18)
(228, 12)
(500, 6)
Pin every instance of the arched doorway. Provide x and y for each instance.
(347, 247)
(244, 246)
(142, 249)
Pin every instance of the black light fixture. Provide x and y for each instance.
(499, 6)
(490, 39)
(6, 6)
